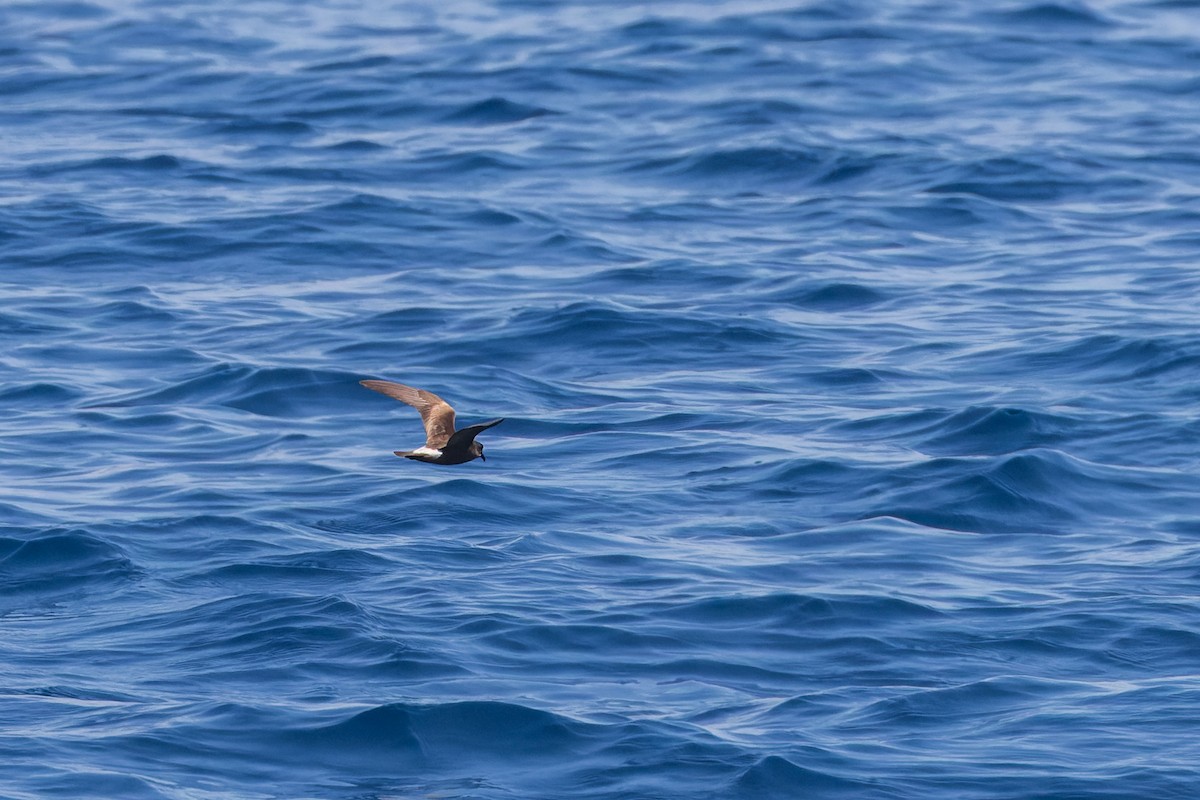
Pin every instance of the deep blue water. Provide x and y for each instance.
(848, 354)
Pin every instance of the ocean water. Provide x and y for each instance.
(849, 359)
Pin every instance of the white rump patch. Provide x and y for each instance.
(426, 451)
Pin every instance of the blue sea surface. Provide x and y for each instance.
(848, 354)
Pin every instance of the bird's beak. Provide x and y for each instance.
(482, 457)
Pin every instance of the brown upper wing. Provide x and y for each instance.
(436, 413)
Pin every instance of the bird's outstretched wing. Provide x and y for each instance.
(436, 413)
(463, 437)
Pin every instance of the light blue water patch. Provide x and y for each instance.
(848, 361)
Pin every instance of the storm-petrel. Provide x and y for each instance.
(443, 444)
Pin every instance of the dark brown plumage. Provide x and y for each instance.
(443, 444)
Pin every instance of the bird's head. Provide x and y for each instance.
(477, 450)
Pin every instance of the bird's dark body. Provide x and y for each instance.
(445, 458)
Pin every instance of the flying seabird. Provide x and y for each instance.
(443, 444)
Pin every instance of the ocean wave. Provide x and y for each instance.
(1054, 16)
(991, 431)
(1117, 358)
(57, 563)
(495, 111)
(267, 391)
(777, 777)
